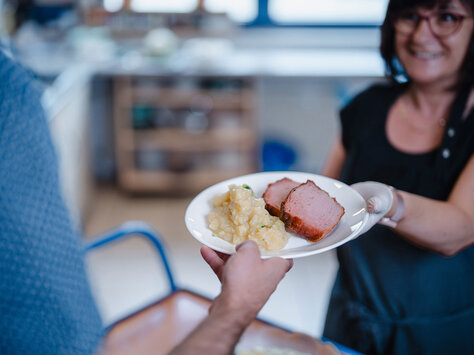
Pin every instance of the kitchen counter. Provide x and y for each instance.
(305, 63)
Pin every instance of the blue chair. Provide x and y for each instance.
(142, 332)
(157, 328)
(128, 230)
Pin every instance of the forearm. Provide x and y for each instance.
(218, 333)
(333, 165)
(440, 226)
(247, 283)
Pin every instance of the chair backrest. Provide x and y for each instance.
(132, 228)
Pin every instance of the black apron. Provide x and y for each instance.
(390, 296)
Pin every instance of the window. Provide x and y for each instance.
(273, 12)
(327, 11)
(113, 5)
(181, 6)
(242, 11)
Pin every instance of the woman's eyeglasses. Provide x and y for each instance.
(442, 23)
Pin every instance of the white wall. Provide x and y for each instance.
(68, 111)
(305, 113)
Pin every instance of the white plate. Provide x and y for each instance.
(348, 227)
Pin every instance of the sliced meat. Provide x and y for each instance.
(310, 212)
(276, 193)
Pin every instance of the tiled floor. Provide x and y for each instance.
(127, 275)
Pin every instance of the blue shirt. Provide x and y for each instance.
(46, 306)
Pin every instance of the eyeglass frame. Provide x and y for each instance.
(428, 18)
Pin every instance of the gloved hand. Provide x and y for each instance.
(379, 199)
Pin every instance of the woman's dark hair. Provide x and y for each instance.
(393, 68)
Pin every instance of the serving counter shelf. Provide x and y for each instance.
(180, 135)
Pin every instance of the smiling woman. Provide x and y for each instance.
(436, 45)
(404, 287)
(434, 48)
(431, 28)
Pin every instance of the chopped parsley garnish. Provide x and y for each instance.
(247, 187)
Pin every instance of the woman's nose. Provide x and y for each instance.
(423, 30)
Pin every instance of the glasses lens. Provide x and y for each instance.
(442, 23)
(445, 23)
(406, 21)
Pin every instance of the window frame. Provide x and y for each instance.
(263, 19)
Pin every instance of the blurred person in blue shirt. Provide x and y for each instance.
(46, 306)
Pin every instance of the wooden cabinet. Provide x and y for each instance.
(181, 134)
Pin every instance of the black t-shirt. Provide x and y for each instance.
(394, 280)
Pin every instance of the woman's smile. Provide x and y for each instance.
(425, 54)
